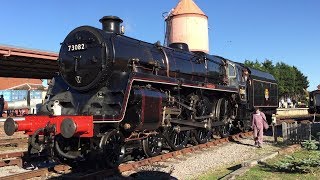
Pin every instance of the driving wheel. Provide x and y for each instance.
(178, 139)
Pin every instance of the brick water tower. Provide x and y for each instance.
(187, 23)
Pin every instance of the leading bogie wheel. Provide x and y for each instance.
(152, 145)
(112, 146)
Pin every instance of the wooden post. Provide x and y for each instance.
(289, 132)
(295, 125)
(299, 137)
(274, 128)
(284, 132)
(309, 131)
(306, 132)
(303, 132)
(275, 132)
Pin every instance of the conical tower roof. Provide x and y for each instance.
(187, 7)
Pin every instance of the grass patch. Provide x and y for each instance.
(273, 169)
(269, 170)
(219, 173)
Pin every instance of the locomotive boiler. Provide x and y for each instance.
(115, 93)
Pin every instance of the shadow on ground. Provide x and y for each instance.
(115, 175)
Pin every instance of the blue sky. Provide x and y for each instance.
(279, 30)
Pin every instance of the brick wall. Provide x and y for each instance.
(6, 83)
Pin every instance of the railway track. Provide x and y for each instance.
(46, 172)
(42, 172)
(11, 159)
(13, 142)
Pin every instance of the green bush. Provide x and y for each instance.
(298, 165)
(310, 145)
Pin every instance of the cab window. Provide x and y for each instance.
(232, 70)
(317, 99)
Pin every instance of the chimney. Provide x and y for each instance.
(111, 24)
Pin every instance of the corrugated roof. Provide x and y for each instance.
(27, 63)
(14, 51)
(187, 7)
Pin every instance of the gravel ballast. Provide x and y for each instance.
(193, 165)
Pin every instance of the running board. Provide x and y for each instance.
(189, 123)
(196, 124)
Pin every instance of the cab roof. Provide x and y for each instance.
(261, 75)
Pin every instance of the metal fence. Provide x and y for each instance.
(294, 133)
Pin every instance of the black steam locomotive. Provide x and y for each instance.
(115, 93)
(314, 102)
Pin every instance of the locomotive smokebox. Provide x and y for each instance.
(111, 24)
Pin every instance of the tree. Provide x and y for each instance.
(268, 66)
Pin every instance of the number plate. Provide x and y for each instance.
(77, 47)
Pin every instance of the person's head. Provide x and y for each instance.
(245, 72)
(1, 96)
(257, 110)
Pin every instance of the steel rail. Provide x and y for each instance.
(134, 165)
(44, 172)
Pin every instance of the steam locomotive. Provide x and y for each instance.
(115, 93)
(314, 102)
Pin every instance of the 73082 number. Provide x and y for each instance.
(76, 47)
